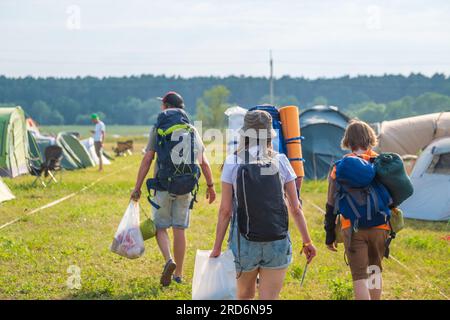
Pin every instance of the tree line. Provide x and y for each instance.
(132, 100)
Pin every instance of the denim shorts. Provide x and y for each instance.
(173, 212)
(266, 255)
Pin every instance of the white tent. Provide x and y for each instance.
(89, 144)
(235, 122)
(5, 193)
(431, 181)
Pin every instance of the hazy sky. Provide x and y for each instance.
(316, 38)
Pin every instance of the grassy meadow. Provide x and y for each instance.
(36, 252)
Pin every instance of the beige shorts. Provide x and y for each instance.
(366, 249)
(173, 212)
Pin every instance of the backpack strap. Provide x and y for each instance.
(151, 186)
(368, 196)
(239, 254)
(294, 140)
(194, 196)
(170, 130)
(234, 227)
(296, 159)
(351, 203)
(387, 244)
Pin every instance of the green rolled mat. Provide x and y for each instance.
(390, 171)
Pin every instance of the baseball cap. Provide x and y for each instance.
(94, 116)
(173, 99)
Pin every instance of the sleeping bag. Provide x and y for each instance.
(391, 172)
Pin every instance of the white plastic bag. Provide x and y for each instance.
(128, 241)
(214, 278)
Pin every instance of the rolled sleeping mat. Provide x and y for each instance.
(291, 131)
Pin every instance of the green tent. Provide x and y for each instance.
(13, 142)
(67, 162)
(75, 150)
(35, 155)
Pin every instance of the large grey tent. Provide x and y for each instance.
(431, 180)
(323, 128)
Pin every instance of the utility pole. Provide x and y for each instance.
(271, 92)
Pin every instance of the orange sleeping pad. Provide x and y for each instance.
(290, 124)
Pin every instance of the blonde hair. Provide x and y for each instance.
(359, 135)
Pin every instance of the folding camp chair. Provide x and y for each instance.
(45, 172)
(124, 148)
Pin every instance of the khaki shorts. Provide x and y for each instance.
(173, 212)
(366, 249)
(98, 148)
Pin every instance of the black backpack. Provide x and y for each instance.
(262, 214)
(177, 175)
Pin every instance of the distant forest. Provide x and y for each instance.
(131, 100)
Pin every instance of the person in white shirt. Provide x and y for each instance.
(263, 258)
(99, 138)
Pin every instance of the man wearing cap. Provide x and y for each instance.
(173, 211)
(99, 138)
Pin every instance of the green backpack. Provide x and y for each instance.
(390, 171)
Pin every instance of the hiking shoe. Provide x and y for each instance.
(177, 279)
(168, 270)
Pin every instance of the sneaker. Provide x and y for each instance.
(168, 270)
(177, 279)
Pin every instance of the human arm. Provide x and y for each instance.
(207, 173)
(299, 219)
(103, 137)
(330, 217)
(225, 212)
(142, 173)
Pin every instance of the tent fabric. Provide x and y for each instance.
(13, 142)
(34, 155)
(67, 162)
(431, 180)
(32, 126)
(89, 145)
(411, 135)
(5, 193)
(323, 128)
(235, 116)
(74, 150)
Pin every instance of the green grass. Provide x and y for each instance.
(36, 252)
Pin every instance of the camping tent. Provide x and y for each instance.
(74, 150)
(13, 142)
(67, 161)
(411, 135)
(32, 126)
(5, 193)
(431, 180)
(89, 145)
(323, 128)
(236, 116)
(34, 153)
